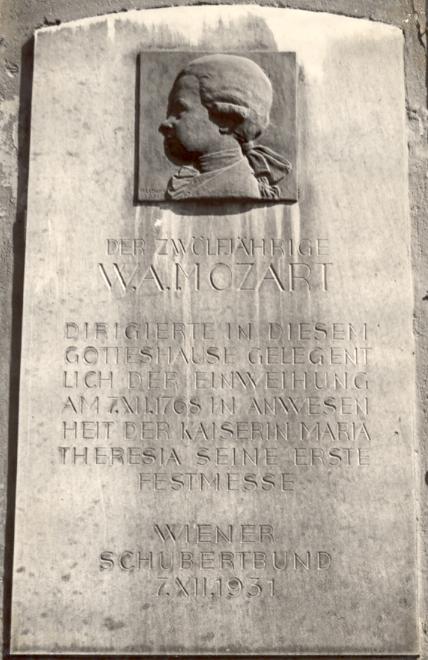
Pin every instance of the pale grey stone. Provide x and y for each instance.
(357, 594)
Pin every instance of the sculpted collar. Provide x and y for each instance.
(267, 166)
(219, 159)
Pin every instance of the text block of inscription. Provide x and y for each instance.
(215, 442)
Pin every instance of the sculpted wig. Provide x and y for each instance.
(234, 86)
(238, 94)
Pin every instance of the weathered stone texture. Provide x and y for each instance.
(353, 200)
(18, 20)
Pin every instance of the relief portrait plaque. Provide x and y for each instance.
(215, 451)
(227, 126)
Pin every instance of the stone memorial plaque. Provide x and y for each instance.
(216, 414)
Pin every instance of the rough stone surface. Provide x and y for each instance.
(360, 589)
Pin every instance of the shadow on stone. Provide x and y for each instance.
(24, 120)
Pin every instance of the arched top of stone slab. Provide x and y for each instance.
(317, 25)
(315, 36)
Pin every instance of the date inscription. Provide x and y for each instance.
(218, 587)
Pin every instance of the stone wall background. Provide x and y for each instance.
(18, 20)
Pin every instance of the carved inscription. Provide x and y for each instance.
(262, 402)
(196, 561)
(206, 265)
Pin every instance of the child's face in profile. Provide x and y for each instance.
(188, 130)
